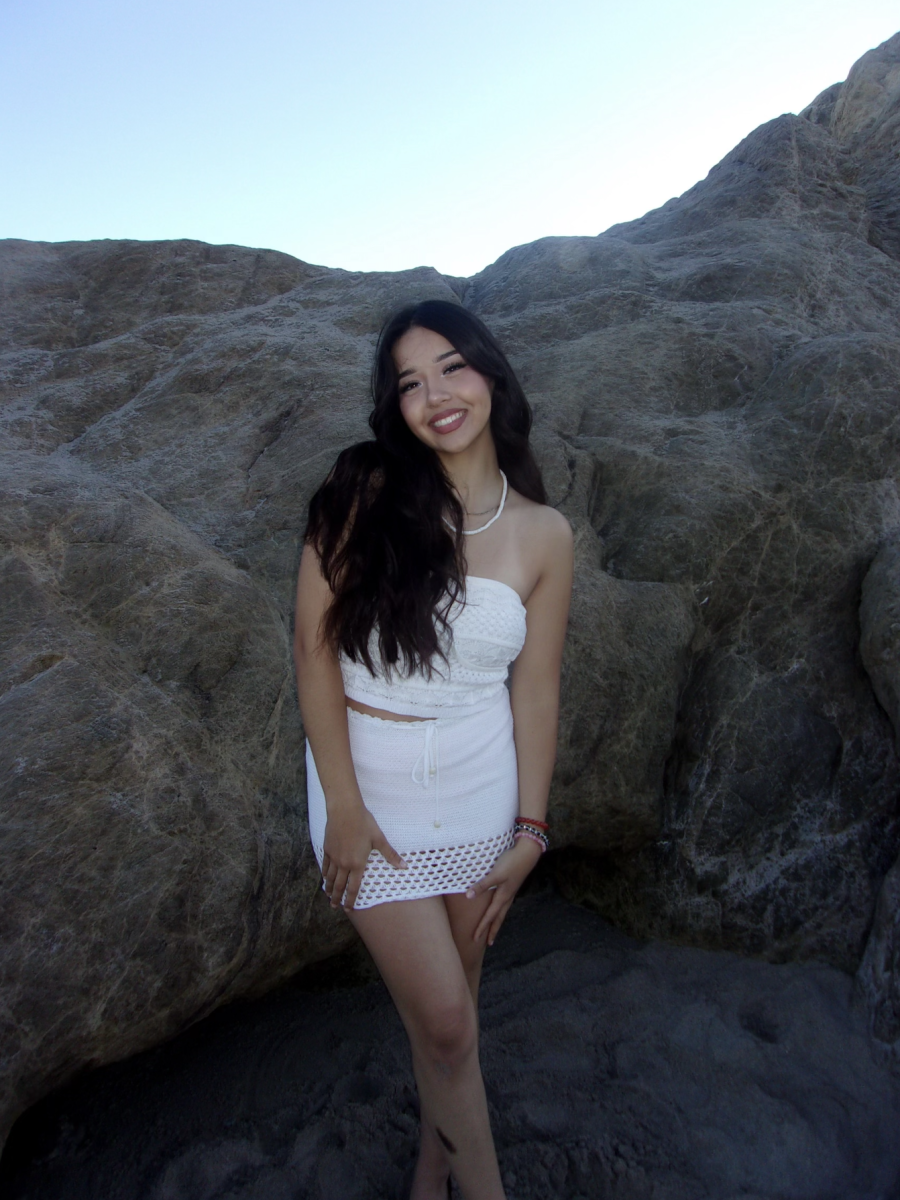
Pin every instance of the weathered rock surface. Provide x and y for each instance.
(613, 1069)
(154, 849)
(879, 974)
(716, 389)
(863, 114)
(879, 619)
(726, 370)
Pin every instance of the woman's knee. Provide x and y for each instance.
(447, 1032)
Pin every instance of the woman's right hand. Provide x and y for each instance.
(351, 834)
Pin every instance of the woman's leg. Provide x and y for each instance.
(464, 916)
(413, 945)
(433, 1166)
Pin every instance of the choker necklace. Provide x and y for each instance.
(482, 528)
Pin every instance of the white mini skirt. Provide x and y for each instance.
(444, 792)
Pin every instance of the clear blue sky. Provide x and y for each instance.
(383, 134)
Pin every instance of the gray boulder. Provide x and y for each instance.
(863, 114)
(879, 619)
(155, 858)
(879, 614)
(715, 387)
(726, 371)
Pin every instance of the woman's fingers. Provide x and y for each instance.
(387, 851)
(496, 924)
(329, 877)
(497, 917)
(493, 916)
(342, 884)
(505, 877)
(338, 887)
(343, 875)
(483, 885)
(354, 881)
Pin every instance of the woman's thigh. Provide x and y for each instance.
(464, 916)
(415, 950)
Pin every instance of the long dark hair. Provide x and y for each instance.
(377, 521)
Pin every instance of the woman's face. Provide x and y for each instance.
(444, 401)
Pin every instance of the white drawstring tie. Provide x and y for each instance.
(425, 767)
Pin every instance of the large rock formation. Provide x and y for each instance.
(863, 114)
(716, 389)
(879, 973)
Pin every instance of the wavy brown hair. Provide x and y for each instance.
(376, 523)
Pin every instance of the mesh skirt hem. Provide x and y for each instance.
(440, 872)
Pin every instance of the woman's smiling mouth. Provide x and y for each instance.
(448, 422)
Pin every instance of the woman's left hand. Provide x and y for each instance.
(506, 877)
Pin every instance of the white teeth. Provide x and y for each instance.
(446, 420)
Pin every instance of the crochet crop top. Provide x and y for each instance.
(488, 633)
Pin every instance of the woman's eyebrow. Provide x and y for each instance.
(440, 358)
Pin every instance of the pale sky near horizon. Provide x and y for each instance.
(391, 135)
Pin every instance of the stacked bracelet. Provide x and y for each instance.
(534, 831)
(532, 837)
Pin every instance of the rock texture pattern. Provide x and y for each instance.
(879, 974)
(715, 387)
(879, 618)
(863, 114)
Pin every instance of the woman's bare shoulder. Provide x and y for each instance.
(548, 533)
(541, 519)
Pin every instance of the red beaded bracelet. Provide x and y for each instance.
(531, 821)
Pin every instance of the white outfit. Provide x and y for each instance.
(444, 791)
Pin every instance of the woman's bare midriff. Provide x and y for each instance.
(382, 713)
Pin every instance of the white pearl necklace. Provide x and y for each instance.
(469, 532)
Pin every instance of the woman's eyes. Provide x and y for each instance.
(454, 366)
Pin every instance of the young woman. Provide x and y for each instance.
(431, 564)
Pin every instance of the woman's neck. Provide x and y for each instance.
(475, 476)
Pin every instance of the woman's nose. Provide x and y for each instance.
(437, 391)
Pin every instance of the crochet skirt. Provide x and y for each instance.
(444, 792)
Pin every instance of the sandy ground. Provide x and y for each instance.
(614, 1069)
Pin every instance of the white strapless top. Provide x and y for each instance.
(488, 633)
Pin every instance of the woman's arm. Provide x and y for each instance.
(351, 832)
(534, 693)
(534, 696)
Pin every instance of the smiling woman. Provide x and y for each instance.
(427, 778)
(445, 395)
